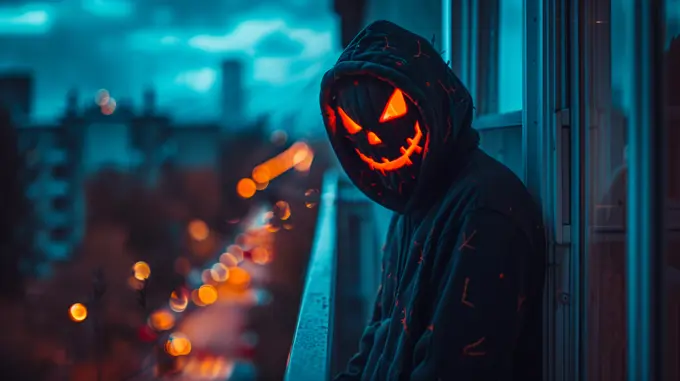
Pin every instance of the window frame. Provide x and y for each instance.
(498, 121)
(469, 51)
(546, 132)
(545, 121)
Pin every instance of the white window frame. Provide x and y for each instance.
(546, 135)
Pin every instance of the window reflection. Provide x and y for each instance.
(504, 145)
(610, 85)
(510, 43)
(606, 180)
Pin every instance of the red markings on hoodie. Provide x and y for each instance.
(463, 298)
(420, 51)
(466, 242)
(471, 349)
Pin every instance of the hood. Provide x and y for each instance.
(390, 53)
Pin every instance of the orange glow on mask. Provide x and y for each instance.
(395, 108)
(330, 116)
(351, 126)
(381, 141)
(385, 165)
(373, 139)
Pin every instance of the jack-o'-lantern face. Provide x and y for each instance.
(383, 126)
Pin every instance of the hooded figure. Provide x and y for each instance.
(464, 262)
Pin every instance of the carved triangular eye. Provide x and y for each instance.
(395, 108)
(351, 126)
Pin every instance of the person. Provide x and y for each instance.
(464, 262)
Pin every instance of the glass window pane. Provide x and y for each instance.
(606, 171)
(671, 61)
(510, 43)
(504, 145)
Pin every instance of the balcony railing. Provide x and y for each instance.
(342, 279)
(310, 354)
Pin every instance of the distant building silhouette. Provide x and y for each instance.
(16, 93)
(63, 154)
(232, 102)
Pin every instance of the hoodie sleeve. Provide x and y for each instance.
(478, 311)
(355, 367)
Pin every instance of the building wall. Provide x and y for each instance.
(48, 190)
(232, 102)
(108, 145)
(16, 93)
(195, 146)
(419, 16)
(61, 157)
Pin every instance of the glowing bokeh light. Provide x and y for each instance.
(196, 299)
(246, 188)
(178, 345)
(207, 294)
(179, 300)
(110, 107)
(261, 174)
(162, 320)
(102, 97)
(206, 276)
(239, 278)
(77, 312)
(260, 255)
(229, 260)
(236, 251)
(305, 163)
(281, 210)
(208, 368)
(261, 186)
(300, 155)
(141, 270)
(198, 230)
(219, 272)
(279, 164)
(273, 227)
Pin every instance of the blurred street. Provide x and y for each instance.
(162, 180)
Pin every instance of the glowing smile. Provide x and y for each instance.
(406, 152)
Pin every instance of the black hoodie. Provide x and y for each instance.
(463, 264)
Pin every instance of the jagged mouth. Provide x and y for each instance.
(385, 164)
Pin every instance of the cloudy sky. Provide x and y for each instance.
(93, 44)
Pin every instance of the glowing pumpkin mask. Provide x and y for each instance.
(382, 125)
